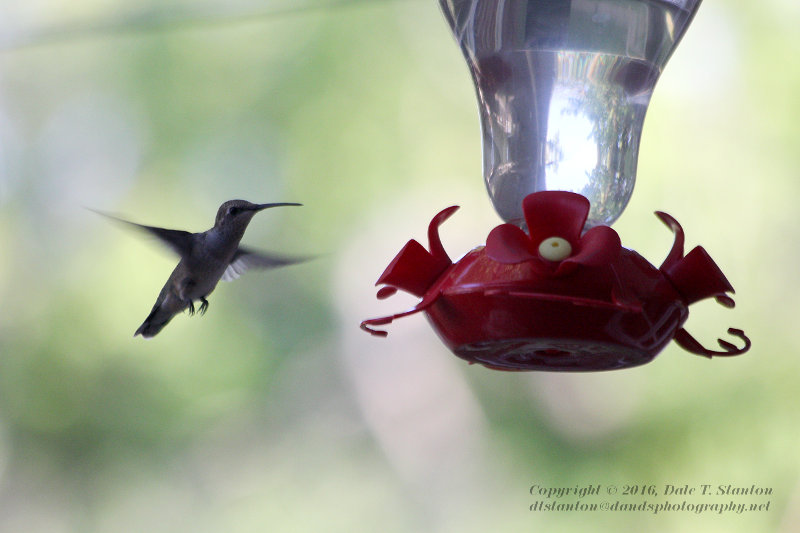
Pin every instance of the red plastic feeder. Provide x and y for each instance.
(556, 299)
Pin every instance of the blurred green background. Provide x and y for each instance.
(274, 412)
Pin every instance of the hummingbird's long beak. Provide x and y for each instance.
(259, 207)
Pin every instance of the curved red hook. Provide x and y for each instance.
(690, 344)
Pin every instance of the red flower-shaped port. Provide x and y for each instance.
(553, 298)
(554, 244)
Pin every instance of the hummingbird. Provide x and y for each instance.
(206, 258)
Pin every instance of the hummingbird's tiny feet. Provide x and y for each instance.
(191, 308)
(203, 306)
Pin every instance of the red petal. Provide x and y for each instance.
(555, 214)
(508, 244)
(697, 276)
(599, 246)
(676, 252)
(434, 242)
(413, 269)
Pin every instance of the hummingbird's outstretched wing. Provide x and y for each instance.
(245, 259)
(178, 241)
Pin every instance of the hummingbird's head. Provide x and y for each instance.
(236, 212)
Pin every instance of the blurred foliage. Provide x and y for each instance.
(274, 412)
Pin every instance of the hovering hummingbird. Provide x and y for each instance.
(206, 258)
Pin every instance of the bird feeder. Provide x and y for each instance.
(563, 87)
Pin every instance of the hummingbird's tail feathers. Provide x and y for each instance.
(154, 323)
(150, 328)
(163, 311)
(245, 259)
